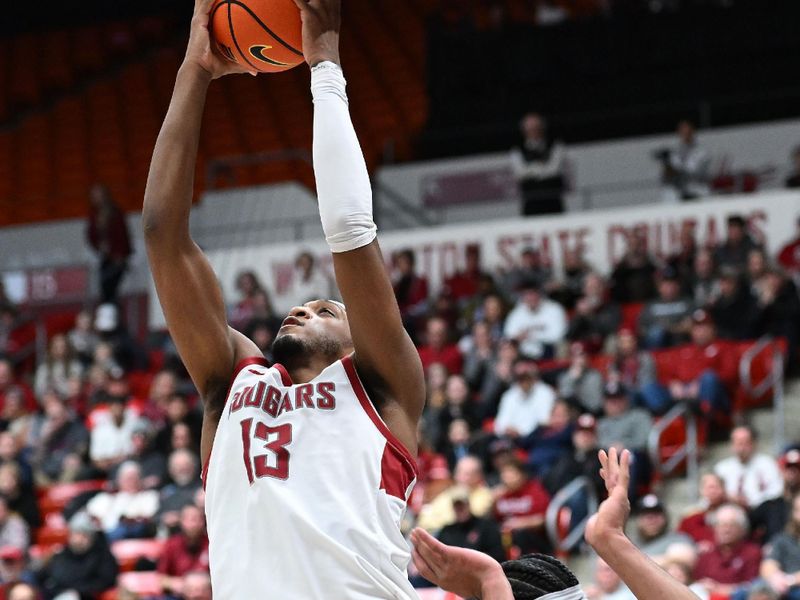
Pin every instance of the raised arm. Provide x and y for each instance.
(187, 287)
(384, 354)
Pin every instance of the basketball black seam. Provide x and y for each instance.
(233, 37)
(267, 29)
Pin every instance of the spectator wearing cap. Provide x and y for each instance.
(697, 524)
(733, 562)
(628, 427)
(703, 283)
(770, 517)
(526, 404)
(581, 381)
(596, 316)
(184, 552)
(61, 442)
(635, 369)
(13, 528)
(652, 528)
(537, 323)
(85, 566)
(665, 321)
(703, 370)
(737, 245)
(437, 348)
(112, 438)
(633, 278)
(470, 531)
(548, 442)
(781, 564)
(469, 477)
(520, 508)
(734, 308)
(152, 464)
(128, 512)
(580, 461)
(751, 478)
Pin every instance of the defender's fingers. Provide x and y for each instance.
(422, 566)
(613, 466)
(625, 468)
(431, 548)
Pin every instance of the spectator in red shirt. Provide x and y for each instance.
(465, 284)
(8, 383)
(410, 289)
(520, 508)
(703, 370)
(697, 524)
(733, 562)
(438, 349)
(185, 551)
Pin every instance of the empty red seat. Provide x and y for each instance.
(56, 497)
(128, 552)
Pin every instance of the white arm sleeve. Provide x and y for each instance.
(343, 187)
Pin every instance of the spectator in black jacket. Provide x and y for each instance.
(733, 310)
(596, 315)
(736, 248)
(85, 565)
(633, 278)
(470, 531)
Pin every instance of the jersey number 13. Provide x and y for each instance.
(275, 439)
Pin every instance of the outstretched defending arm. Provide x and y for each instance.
(384, 354)
(187, 288)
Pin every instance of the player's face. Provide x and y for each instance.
(318, 322)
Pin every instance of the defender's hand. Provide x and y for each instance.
(200, 51)
(321, 22)
(614, 511)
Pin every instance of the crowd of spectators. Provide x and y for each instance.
(529, 371)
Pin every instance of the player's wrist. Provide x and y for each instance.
(326, 49)
(611, 540)
(193, 69)
(493, 584)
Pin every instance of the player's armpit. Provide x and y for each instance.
(384, 352)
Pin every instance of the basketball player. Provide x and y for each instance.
(471, 574)
(308, 462)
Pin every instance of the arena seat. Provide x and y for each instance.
(140, 583)
(51, 536)
(56, 497)
(128, 552)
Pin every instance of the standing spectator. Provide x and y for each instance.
(781, 565)
(539, 165)
(308, 283)
(59, 366)
(636, 370)
(633, 278)
(468, 476)
(771, 517)
(129, 512)
(703, 370)
(596, 317)
(62, 443)
(438, 349)
(107, 232)
(520, 508)
(652, 528)
(13, 528)
(793, 180)
(526, 404)
(410, 289)
(789, 254)
(549, 441)
(734, 309)
(665, 321)
(82, 338)
(111, 440)
(704, 285)
(85, 566)
(470, 531)
(184, 552)
(581, 381)
(531, 267)
(607, 585)
(685, 169)
(537, 323)
(733, 562)
(750, 478)
(697, 524)
(738, 244)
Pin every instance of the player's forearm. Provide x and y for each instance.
(645, 578)
(168, 196)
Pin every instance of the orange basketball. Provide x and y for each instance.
(260, 35)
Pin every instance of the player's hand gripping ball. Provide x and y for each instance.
(260, 35)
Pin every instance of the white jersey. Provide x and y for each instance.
(305, 489)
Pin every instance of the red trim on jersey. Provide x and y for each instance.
(285, 377)
(398, 466)
(240, 366)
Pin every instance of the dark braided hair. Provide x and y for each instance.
(534, 575)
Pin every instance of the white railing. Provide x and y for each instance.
(558, 502)
(773, 381)
(688, 451)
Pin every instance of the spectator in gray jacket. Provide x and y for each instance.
(666, 320)
(581, 381)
